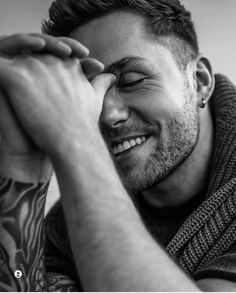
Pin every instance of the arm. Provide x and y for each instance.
(112, 249)
(110, 244)
(105, 228)
(22, 240)
(21, 244)
(122, 255)
(24, 177)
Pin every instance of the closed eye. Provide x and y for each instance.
(131, 84)
(130, 80)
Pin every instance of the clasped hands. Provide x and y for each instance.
(50, 92)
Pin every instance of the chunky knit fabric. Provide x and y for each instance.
(210, 230)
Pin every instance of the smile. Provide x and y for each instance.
(128, 144)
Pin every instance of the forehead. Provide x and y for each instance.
(119, 35)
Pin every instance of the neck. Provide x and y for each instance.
(190, 178)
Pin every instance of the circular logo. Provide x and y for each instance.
(18, 274)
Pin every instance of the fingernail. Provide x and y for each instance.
(81, 50)
(85, 49)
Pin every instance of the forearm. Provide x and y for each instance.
(113, 250)
(21, 227)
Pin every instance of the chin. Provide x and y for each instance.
(146, 172)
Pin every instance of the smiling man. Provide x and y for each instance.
(142, 139)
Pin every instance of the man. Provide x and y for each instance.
(167, 128)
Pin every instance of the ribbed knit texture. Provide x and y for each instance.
(211, 229)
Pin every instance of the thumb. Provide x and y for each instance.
(102, 83)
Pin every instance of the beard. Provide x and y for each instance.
(173, 145)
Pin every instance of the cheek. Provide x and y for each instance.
(152, 104)
(174, 93)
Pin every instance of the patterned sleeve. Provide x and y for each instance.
(222, 267)
(58, 254)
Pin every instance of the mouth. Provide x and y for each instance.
(127, 144)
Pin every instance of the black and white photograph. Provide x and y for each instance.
(117, 145)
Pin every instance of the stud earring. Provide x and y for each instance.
(203, 103)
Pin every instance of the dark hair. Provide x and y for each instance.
(164, 18)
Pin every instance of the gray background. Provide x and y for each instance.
(215, 22)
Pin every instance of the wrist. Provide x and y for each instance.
(28, 168)
(77, 145)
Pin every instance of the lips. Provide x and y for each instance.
(127, 144)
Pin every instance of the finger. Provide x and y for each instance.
(19, 43)
(102, 83)
(15, 44)
(91, 67)
(78, 49)
(54, 46)
(63, 47)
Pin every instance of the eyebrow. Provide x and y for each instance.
(137, 62)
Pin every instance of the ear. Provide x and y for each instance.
(204, 78)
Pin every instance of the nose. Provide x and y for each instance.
(114, 111)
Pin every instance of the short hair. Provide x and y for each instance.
(165, 18)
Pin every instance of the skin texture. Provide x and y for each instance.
(104, 227)
(162, 103)
(22, 204)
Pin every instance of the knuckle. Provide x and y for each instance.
(23, 67)
(49, 59)
(73, 64)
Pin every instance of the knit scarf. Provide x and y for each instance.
(211, 229)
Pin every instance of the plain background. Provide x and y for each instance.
(215, 22)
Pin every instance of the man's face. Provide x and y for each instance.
(149, 118)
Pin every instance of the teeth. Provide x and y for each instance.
(132, 142)
(138, 140)
(126, 145)
(120, 148)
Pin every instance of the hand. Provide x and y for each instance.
(62, 47)
(53, 99)
(14, 140)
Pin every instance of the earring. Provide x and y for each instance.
(203, 103)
